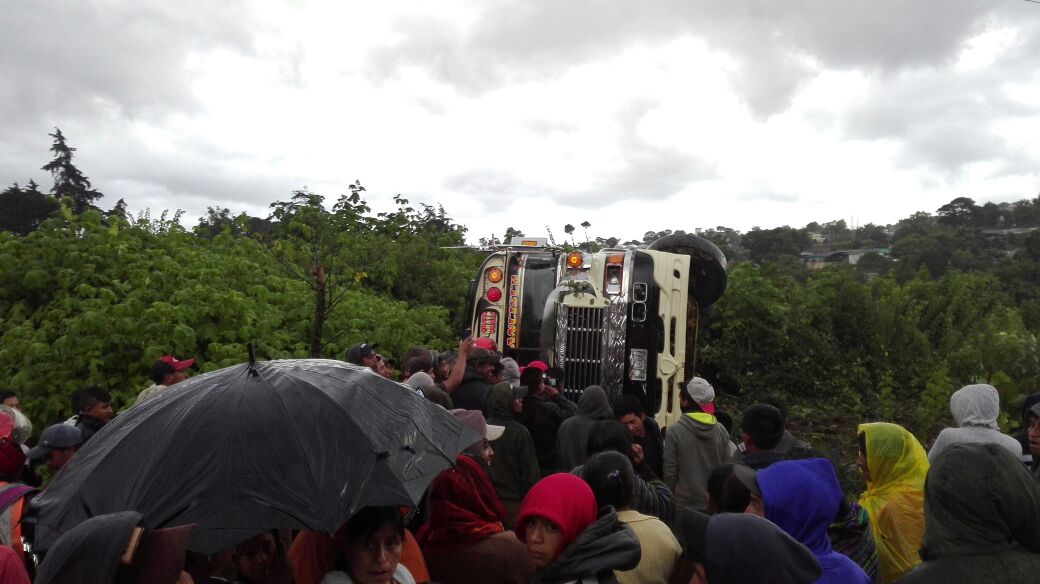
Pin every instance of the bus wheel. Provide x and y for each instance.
(707, 262)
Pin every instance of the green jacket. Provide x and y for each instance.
(514, 467)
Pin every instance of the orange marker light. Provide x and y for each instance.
(494, 275)
(575, 259)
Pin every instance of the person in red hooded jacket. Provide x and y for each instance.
(14, 496)
(464, 534)
(566, 541)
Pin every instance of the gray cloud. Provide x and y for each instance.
(80, 58)
(944, 121)
(646, 171)
(494, 190)
(771, 41)
(768, 195)
(93, 69)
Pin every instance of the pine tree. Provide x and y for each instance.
(22, 210)
(68, 180)
(119, 210)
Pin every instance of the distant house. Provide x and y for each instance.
(815, 261)
(848, 257)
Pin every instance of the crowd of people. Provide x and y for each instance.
(592, 491)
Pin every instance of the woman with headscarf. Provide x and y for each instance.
(894, 466)
(464, 534)
(982, 519)
(566, 541)
(802, 497)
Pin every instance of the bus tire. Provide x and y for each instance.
(707, 264)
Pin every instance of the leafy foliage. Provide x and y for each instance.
(82, 303)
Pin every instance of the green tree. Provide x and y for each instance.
(512, 234)
(23, 210)
(68, 180)
(767, 244)
(569, 230)
(960, 212)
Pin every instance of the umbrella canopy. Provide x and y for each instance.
(299, 444)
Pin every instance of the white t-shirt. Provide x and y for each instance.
(401, 576)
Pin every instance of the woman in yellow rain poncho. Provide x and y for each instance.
(894, 465)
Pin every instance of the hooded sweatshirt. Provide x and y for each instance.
(692, 448)
(90, 552)
(573, 435)
(1023, 429)
(591, 548)
(982, 514)
(746, 549)
(514, 469)
(975, 409)
(605, 546)
(510, 371)
(471, 393)
(802, 497)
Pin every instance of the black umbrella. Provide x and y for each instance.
(299, 444)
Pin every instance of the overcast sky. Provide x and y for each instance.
(657, 114)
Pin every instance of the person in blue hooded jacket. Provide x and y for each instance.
(802, 498)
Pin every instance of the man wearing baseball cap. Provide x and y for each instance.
(364, 354)
(695, 445)
(165, 371)
(57, 445)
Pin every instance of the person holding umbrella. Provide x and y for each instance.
(270, 460)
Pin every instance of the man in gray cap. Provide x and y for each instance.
(57, 445)
(695, 445)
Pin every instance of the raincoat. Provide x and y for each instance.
(982, 514)
(975, 409)
(573, 435)
(894, 499)
(802, 497)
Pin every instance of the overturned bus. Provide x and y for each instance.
(625, 319)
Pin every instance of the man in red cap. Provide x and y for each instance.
(166, 371)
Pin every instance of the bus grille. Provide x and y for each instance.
(582, 356)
